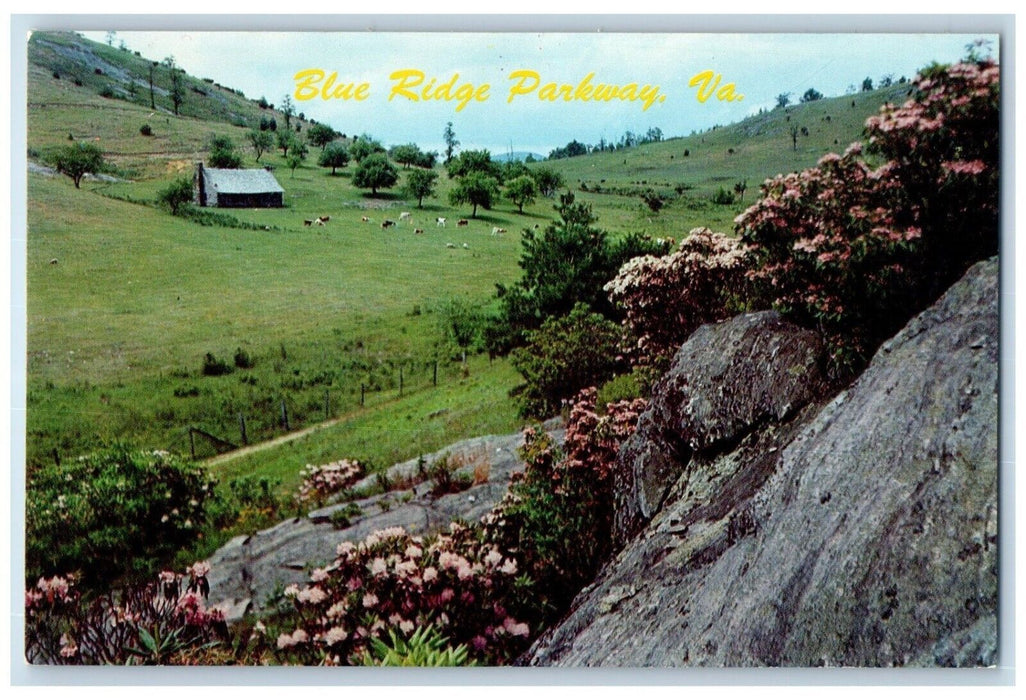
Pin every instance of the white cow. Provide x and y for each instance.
(440, 221)
(404, 216)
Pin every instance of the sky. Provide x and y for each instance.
(758, 66)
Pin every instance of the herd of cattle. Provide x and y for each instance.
(405, 216)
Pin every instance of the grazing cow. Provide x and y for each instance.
(325, 219)
(418, 230)
(496, 230)
(440, 221)
(53, 261)
(462, 222)
(450, 245)
(387, 223)
(307, 222)
(319, 221)
(466, 246)
(404, 216)
(365, 219)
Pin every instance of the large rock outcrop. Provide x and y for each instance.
(861, 532)
(249, 568)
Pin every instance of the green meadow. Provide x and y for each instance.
(125, 301)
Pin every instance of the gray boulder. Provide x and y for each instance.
(862, 532)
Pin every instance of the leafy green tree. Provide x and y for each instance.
(474, 162)
(811, 95)
(375, 172)
(512, 169)
(176, 195)
(320, 135)
(78, 159)
(176, 90)
(286, 140)
(450, 142)
(421, 184)
(521, 190)
(261, 141)
(365, 146)
(288, 110)
(334, 156)
(223, 153)
(406, 154)
(477, 189)
(783, 99)
(867, 85)
(295, 159)
(462, 325)
(567, 354)
(548, 181)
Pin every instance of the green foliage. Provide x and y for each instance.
(364, 147)
(78, 159)
(321, 135)
(624, 387)
(112, 513)
(177, 195)
(462, 325)
(450, 142)
(475, 188)
(223, 153)
(444, 476)
(342, 517)
(521, 190)
(146, 130)
(214, 366)
(723, 196)
(567, 263)
(242, 359)
(548, 181)
(811, 95)
(374, 172)
(333, 156)
(261, 140)
(426, 647)
(469, 162)
(420, 184)
(567, 354)
(406, 155)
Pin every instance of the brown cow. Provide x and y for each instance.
(462, 222)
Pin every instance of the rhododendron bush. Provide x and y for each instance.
(393, 581)
(557, 515)
(162, 622)
(324, 481)
(664, 299)
(854, 249)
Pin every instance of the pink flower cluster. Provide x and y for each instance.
(667, 298)
(395, 580)
(321, 482)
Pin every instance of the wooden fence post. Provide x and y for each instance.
(242, 428)
(327, 405)
(362, 390)
(434, 374)
(284, 415)
(400, 380)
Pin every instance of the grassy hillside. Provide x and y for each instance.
(120, 324)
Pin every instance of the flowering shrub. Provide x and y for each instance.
(467, 590)
(321, 482)
(557, 516)
(157, 623)
(112, 513)
(665, 299)
(854, 250)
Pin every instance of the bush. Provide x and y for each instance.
(146, 130)
(214, 366)
(322, 482)
(556, 518)
(153, 624)
(723, 196)
(855, 250)
(223, 153)
(242, 359)
(177, 196)
(565, 355)
(112, 513)
(665, 299)
(469, 591)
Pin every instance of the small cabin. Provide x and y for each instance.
(219, 187)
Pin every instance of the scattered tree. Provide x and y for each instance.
(407, 154)
(461, 323)
(794, 131)
(261, 141)
(450, 142)
(783, 99)
(740, 188)
(521, 190)
(421, 184)
(176, 195)
(365, 146)
(375, 172)
(867, 85)
(223, 153)
(177, 89)
(320, 135)
(288, 109)
(474, 162)
(77, 159)
(548, 181)
(476, 189)
(811, 95)
(334, 155)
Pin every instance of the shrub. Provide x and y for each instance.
(565, 355)
(665, 299)
(321, 482)
(152, 624)
(469, 592)
(556, 518)
(177, 196)
(113, 512)
(426, 647)
(214, 366)
(223, 153)
(445, 478)
(855, 250)
(242, 359)
(146, 130)
(723, 196)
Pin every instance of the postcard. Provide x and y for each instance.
(508, 348)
